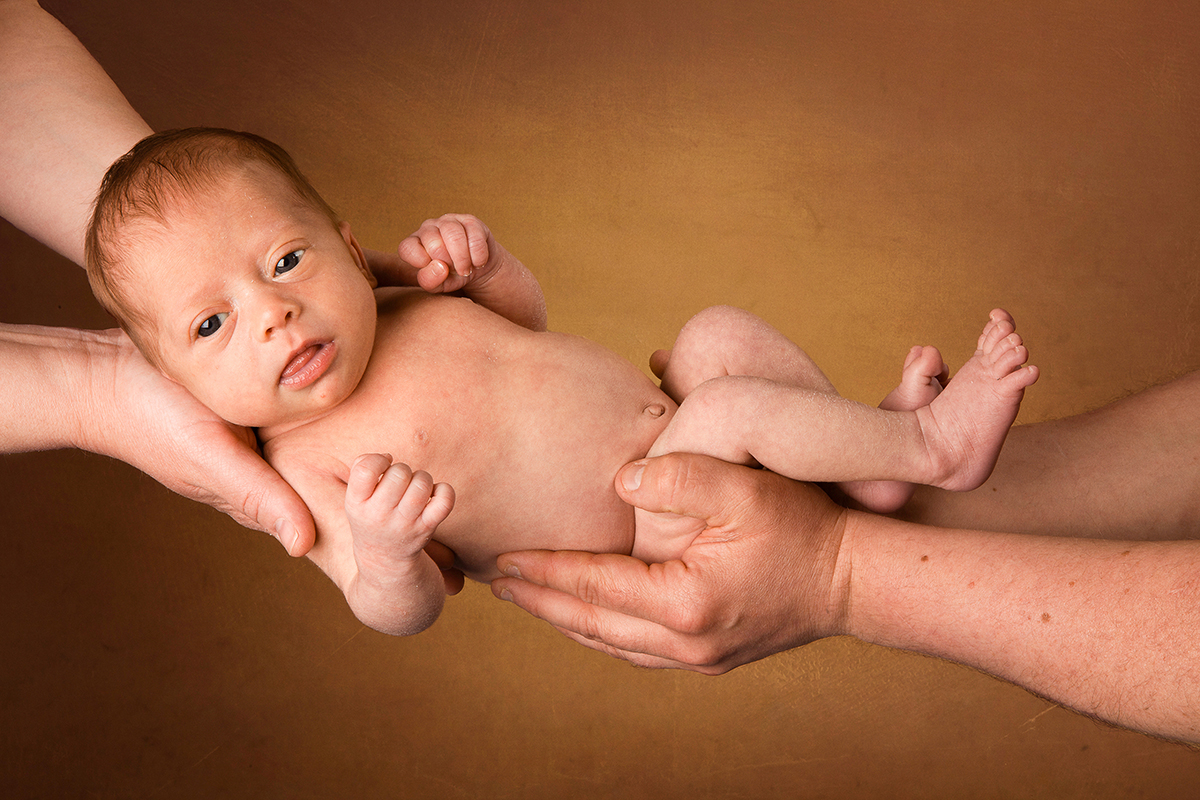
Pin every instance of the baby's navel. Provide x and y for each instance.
(656, 409)
(420, 437)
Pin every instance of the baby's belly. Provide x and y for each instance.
(541, 473)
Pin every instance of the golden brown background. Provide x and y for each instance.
(864, 175)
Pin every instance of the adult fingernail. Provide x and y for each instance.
(285, 532)
(505, 594)
(512, 571)
(631, 479)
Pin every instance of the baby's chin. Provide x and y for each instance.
(285, 420)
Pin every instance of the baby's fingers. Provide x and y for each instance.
(365, 473)
(439, 506)
(418, 498)
(444, 239)
(412, 251)
(432, 277)
(477, 240)
(409, 491)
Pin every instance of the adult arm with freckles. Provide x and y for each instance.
(62, 122)
(1110, 628)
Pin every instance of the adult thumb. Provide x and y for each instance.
(261, 499)
(679, 483)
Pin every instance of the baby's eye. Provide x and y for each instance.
(212, 324)
(288, 262)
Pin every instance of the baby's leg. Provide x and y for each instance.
(716, 343)
(965, 426)
(813, 435)
(724, 340)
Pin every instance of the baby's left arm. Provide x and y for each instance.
(457, 253)
(393, 513)
(375, 525)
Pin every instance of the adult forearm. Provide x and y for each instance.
(45, 385)
(1108, 628)
(62, 123)
(1125, 471)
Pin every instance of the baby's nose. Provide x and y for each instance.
(276, 315)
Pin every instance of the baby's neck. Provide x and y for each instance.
(266, 433)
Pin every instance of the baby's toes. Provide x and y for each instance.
(923, 365)
(1008, 355)
(995, 332)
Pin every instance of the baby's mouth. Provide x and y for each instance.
(307, 364)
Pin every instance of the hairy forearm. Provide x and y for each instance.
(1126, 471)
(1108, 628)
(64, 123)
(45, 385)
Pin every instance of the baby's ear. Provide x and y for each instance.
(356, 252)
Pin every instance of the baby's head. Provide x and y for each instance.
(232, 275)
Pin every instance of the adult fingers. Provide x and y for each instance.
(638, 659)
(610, 603)
(661, 594)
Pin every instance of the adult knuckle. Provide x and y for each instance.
(592, 589)
(691, 620)
(705, 656)
(252, 502)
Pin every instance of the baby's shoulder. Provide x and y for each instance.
(400, 300)
(416, 315)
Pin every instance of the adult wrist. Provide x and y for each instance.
(48, 386)
(91, 379)
(863, 538)
(839, 603)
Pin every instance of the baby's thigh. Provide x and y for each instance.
(724, 340)
(718, 418)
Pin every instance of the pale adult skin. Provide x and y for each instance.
(62, 123)
(1094, 601)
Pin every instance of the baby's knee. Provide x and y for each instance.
(712, 330)
(717, 322)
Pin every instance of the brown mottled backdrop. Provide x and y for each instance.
(864, 175)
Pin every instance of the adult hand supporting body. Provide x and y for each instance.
(763, 532)
(1106, 627)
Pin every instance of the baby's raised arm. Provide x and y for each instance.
(457, 253)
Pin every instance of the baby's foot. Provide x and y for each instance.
(922, 379)
(965, 426)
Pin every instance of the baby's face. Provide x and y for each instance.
(260, 305)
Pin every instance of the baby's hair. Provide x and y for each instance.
(146, 182)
